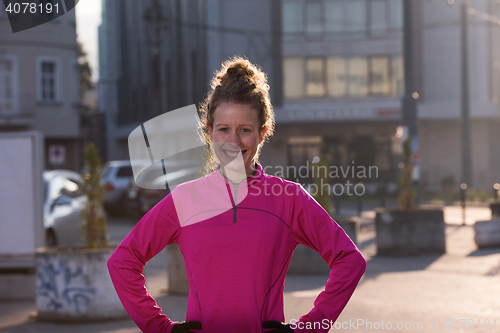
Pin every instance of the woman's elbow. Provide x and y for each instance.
(360, 264)
(113, 262)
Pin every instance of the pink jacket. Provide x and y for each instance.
(237, 242)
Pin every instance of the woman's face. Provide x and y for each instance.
(235, 135)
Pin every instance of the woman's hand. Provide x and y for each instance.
(184, 327)
(280, 327)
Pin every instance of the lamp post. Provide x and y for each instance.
(466, 154)
(409, 102)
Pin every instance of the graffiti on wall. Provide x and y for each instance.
(62, 286)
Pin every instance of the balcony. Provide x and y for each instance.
(13, 120)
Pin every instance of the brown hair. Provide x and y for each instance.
(240, 82)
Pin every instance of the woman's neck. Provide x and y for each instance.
(237, 176)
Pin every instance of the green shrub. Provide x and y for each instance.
(448, 188)
(95, 228)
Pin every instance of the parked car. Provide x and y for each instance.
(116, 177)
(63, 203)
(140, 200)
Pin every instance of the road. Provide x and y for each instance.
(418, 294)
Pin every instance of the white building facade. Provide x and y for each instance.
(39, 86)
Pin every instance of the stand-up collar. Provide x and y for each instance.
(259, 172)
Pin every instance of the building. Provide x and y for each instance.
(439, 86)
(343, 82)
(157, 56)
(336, 73)
(342, 64)
(152, 61)
(39, 86)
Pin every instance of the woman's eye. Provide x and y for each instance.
(223, 129)
(245, 130)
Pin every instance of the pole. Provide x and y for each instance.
(463, 199)
(409, 102)
(466, 161)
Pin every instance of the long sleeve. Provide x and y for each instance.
(158, 228)
(312, 226)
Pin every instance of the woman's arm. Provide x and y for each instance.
(312, 226)
(158, 228)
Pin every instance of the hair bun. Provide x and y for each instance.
(237, 71)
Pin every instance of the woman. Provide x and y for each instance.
(237, 228)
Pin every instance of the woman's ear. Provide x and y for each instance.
(262, 134)
(210, 133)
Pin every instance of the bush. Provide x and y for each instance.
(448, 188)
(95, 227)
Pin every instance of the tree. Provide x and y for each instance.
(84, 70)
(95, 227)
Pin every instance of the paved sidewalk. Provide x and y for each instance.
(425, 293)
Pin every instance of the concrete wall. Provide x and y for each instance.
(441, 151)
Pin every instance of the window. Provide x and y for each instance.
(356, 18)
(378, 18)
(397, 76)
(379, 76)
(48, 81)
(49, 69)
(292, 20)
(396, 12)
(345, 18)
(62, 186)
(358, 77)
(343, 77)
(334, 18)
(75, 82)
(72, 188)
(315, 85)
(293, 77)
(8, 84)
(337, 76)
(342, 19)
(313, 19)
(124, 172)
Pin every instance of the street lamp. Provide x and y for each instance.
(410, 96)
(466, 160)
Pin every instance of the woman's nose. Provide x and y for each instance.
(235, 138)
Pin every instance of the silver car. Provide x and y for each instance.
(116, 179)
(63, 204)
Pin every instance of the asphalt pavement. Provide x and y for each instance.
(455, 292)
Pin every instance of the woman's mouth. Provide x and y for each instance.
(233, 153)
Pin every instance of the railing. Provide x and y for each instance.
(16, 119)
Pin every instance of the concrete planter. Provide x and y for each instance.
(495, 209)
(410, 232)
(176, 272)
(350, 226)
(487, 233)
(306, 261)
(74, 285)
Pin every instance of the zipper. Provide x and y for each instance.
(234, 202)
(233, 199)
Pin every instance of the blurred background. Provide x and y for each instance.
(336, 70)
(350, 81)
